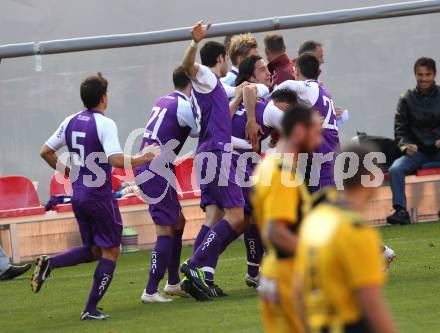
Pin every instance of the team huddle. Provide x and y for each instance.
(315, 263)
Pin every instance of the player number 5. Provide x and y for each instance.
(78, 158)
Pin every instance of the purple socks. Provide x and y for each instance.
(72, 257)
(215, 241)
(254, 249)
(101, 281)
(160, 258)
(174, 262)
(200, 237)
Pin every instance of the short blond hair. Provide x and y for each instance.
(240, 45)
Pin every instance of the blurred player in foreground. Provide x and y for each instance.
(340, 268)
(93, 143)
(279, 200)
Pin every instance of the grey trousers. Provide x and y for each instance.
(4, 261)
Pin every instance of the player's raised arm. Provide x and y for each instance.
(189, 64)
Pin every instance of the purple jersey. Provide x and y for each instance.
(239, 121)
(171, 118)
(210, 106)
(91, 138)
(324, 104)
(313, 94)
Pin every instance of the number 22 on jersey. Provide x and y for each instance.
(331, 111)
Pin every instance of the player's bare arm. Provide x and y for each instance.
(281, 237)
(51, 158)
(375, 310)
(146, 155)
(199, 31)
(253, 130)
(238, 99)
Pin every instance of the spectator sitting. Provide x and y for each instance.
(417, 133)
(280, 66)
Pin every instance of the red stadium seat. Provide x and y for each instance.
(18, 197)
(186, 178)
(60, 185)
(119, 176)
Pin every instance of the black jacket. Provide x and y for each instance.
(417, 120)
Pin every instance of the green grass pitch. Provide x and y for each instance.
(413, 293)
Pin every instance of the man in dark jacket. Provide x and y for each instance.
(417, 133)
(280, 66)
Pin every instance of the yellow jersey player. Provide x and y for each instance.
(278, 197)
(340, 267)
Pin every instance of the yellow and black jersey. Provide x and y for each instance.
(337, 255)
(277, 196)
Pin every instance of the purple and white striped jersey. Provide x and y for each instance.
(171, 118)
(210, 106)
(313, 94)
(91, 139)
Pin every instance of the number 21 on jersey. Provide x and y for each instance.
(156, 117)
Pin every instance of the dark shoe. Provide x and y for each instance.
(400, 216)
(215, 290)
(94, 316)
(41, 273)
(195, 275)
(191, 289)
(15, 271)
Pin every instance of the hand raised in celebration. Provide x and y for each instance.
(200, 30)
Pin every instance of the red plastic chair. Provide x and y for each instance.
(18, 197)
(185, 177)
(119, 176)
(60, 185)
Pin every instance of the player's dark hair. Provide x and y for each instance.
(210, 52)
(308, 65)
(246, 69)
(295, 114)
(425, 62)
(361, 151)
(308, 46)
(274, 43)
(180, 79)
(285, 96)
(93, 88)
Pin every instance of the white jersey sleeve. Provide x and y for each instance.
(229, 79)
(108, 135)
(307, 91)
(185, 117)
(262, 90)
(238, 143)
(205, 80)
(272, 116)
(58, 139)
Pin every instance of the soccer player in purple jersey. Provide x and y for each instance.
(171, 119)
(313, 94)
(93, 143)
(221, 197)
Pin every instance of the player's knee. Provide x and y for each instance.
(96, 252)
(164, 230)
(235, 217)
(111, 253)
